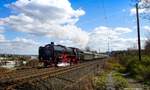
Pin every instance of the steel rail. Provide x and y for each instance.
(45, 75)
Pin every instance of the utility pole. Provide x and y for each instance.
(108, 46)
(99, 50)
(138, 31)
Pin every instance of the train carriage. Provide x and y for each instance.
(88, 56)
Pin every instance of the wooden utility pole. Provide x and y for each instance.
(138, 31)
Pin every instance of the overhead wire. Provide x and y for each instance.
(104, 10)
(106, 22)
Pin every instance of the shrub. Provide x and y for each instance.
(112, 64)
(120, 82)
(99, 82)
(139, 70)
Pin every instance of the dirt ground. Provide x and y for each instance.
(3, 70)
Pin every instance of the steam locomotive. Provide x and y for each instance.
(57, 55)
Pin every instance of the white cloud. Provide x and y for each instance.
(146, 1)
(2, 37)
(51, 18)
(56, 20)
(19, 46)
(122, 30)
(133, 11)
(101, 36)
(147, 28)
(2, 29)
(1, 22)
(24, 40)
(98, 39)
(52, 11)
(143, 7)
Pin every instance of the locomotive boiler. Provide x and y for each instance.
(52, 54)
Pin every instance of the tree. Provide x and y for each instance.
(147, 46)
(145, 6)
(87, 49)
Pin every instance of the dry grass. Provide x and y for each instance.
(32, 63)
(3, 70)
(111, 63)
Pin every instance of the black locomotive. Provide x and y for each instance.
(53, 55)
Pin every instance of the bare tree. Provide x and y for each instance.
(147, 46)
(145, 5)
(87, 49)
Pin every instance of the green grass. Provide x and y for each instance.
(99, 82)
(119, 81)
(139, 70)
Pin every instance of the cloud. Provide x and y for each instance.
(147, 28)
(19, 46)
(133, 11)
(122, 30)
(56, 21)
(143, 7)
(101, 36)
(50, 18)
(2, 30)
(50, 11)
(2, 37)
(2, 22)
(146, 1)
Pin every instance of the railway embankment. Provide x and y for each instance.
(117, 74)
(104, 74)
(72, 77)
(110, 81)
(135, 69)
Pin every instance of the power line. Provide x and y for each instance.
(106, 20)
(104, 9)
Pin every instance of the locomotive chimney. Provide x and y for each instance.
(52, 43)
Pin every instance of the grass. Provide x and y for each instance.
(3, 70)
(100, 82)
(119, 81)
(122, 64)
(139, 70)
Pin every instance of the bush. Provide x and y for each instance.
(99, 82)
(120, 82)
(113, 64)
(139, 70)
(147, 47)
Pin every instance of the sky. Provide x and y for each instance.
(27, 24)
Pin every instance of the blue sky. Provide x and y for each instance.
(98, 10)
(84, 23)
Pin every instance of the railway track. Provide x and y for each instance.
(13, 79)
(21, 73)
